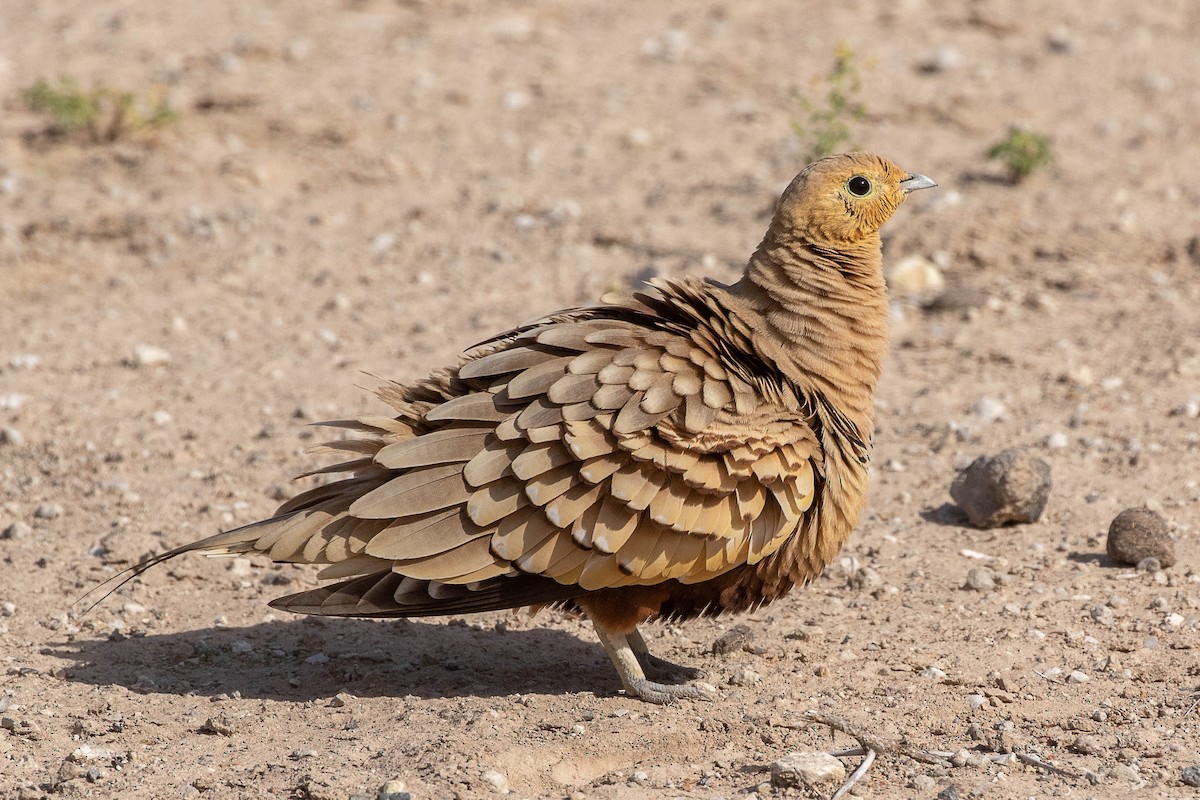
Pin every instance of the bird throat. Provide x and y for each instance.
(824, 317)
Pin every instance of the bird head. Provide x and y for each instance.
(844, 200)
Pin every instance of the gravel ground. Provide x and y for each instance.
(369, 186)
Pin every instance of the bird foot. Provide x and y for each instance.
(632, 662)
(665, 693)
(667, 671)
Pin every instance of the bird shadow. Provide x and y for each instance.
(317, 658)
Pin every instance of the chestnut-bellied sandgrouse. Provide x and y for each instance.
(688, 449)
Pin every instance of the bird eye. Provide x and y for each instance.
(859, 186)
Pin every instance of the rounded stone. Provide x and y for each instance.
(1008, 488)
(1137, 534)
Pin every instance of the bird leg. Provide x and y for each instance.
(657, 667)
(629, 667)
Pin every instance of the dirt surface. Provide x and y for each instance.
(370, 187)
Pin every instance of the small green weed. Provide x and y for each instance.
(827, 128)
(103, 114)
(1022, 152)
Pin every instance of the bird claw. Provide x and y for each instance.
(667, 671)
(665, 693)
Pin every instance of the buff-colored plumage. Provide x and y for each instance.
(690, 449)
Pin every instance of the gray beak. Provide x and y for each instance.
(915, 181)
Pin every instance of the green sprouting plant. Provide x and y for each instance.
(104, 114)
(1021, 152)
(827, 128)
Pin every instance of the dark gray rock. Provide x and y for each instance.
(1010, 487)
(1139, 533)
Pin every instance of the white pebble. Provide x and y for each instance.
(147, 355)
(515, 100)
(496, 780)
(382, 242)
(988, 409)
(744, 677)
(916, 277)
(8, 608)
(976, 701)
(25, 361)
(1190, 409)
(943, 59)
(160, 418)
(48, 511)
(11, 401)
(11, 436)
(1057, 441)
(638, 137)
(1078, 677)
(89, 752)
(1174, 620)
(933, 672)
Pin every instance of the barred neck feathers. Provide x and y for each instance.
(816, 280)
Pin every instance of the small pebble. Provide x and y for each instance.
(393, 790)
(220, 725)
(988, 409)
(1191, 775)
(341, 700)
(807, 770)
(916, 278)
(943, 59)
(744, 676)
(1078, 677)
(933, 672)
(89, 752)
(733, 640)
(17, 530)
(976, 701)
(980, 579)
(48, 511)
(1060, 40)
(147, 355)
(11, 436)
(949, 793)
(1057, 441)
(8, 608)
(1139, 533)
(1087, 745)
(1102, 615)
(496, 780)
(864, 578)
(382, 242)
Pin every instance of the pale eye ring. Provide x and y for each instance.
(859, 186)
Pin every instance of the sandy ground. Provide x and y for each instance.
(369, 186)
